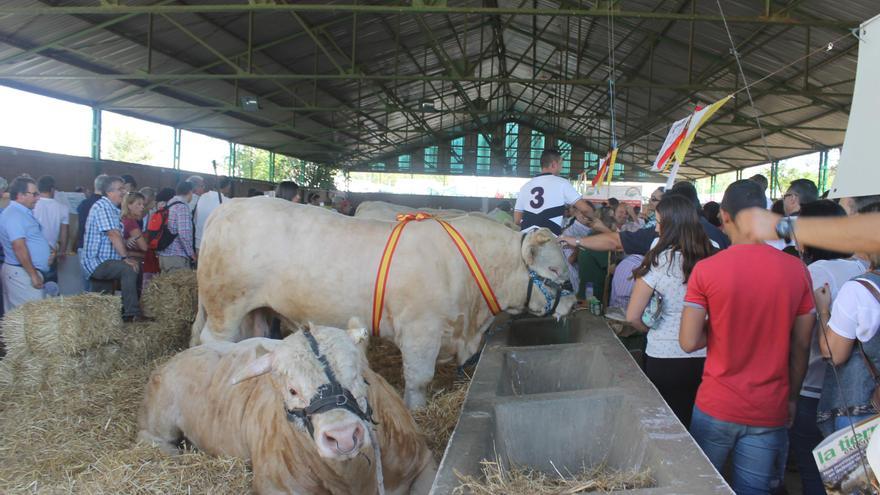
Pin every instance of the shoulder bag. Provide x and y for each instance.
(875, 395)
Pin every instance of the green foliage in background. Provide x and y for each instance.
(254, 163)
(128, 146)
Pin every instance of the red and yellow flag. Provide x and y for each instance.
(700, 117)
(606, 169)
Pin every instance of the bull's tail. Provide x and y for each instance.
(198, 325)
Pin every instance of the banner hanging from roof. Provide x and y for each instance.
(700, 116)
(673, 140)
(857, 172)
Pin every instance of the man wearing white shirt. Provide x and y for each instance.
(199, 188)
(541, 201)
(207, 202)
(54, 217)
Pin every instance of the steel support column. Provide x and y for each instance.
(231, 159)
(176, 159)
(96, 133)
(739, 174)
(712, 183)
(272, 166)
(774, 177)
(823, 170)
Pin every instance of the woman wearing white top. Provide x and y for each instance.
(849, 328)
(665, 271)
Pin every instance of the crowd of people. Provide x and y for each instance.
(760, 327)
(120, 232)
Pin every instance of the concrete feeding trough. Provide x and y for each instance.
(561, 396)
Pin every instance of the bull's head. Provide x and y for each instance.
(318, 372)
(549, 284)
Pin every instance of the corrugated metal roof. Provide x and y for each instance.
(350, 121)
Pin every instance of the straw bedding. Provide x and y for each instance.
(496, 479)
(74, 379)
(446, 393)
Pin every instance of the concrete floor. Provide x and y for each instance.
(70, 276)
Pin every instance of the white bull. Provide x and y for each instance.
(381, 210)
(308, 264)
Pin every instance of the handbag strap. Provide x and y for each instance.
(871, 368)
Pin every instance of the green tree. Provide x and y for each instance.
(127, 146)
(319, 176)
(251, 163)
(254, 163)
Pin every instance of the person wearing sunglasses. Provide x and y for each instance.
(28, 254)
(650, 209)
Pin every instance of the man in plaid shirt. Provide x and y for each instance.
(180, 253)
(104, 256)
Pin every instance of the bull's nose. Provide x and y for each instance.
(344, 440)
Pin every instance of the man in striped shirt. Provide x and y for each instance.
(180, 254)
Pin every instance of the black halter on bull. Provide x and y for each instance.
(331, 395)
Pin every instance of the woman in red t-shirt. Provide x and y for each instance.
(132, 215)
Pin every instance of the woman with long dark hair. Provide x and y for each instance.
(661, 283)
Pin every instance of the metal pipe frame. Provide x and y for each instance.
(368, 136)
(416, 10)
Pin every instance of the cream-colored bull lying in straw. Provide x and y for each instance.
(308, 264)
(274, 403)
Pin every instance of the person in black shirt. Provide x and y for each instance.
(639, 242)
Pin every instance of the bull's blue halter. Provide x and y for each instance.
(542, 283)
(535, 280)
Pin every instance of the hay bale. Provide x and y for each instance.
(525, 481)
(172, 297)
(78, 437)
(134, 345)
(62, 325)
(147, 341)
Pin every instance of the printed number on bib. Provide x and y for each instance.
(538, 200)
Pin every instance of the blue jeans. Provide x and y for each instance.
(844, 421)
(756, 451)
(804, 436)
